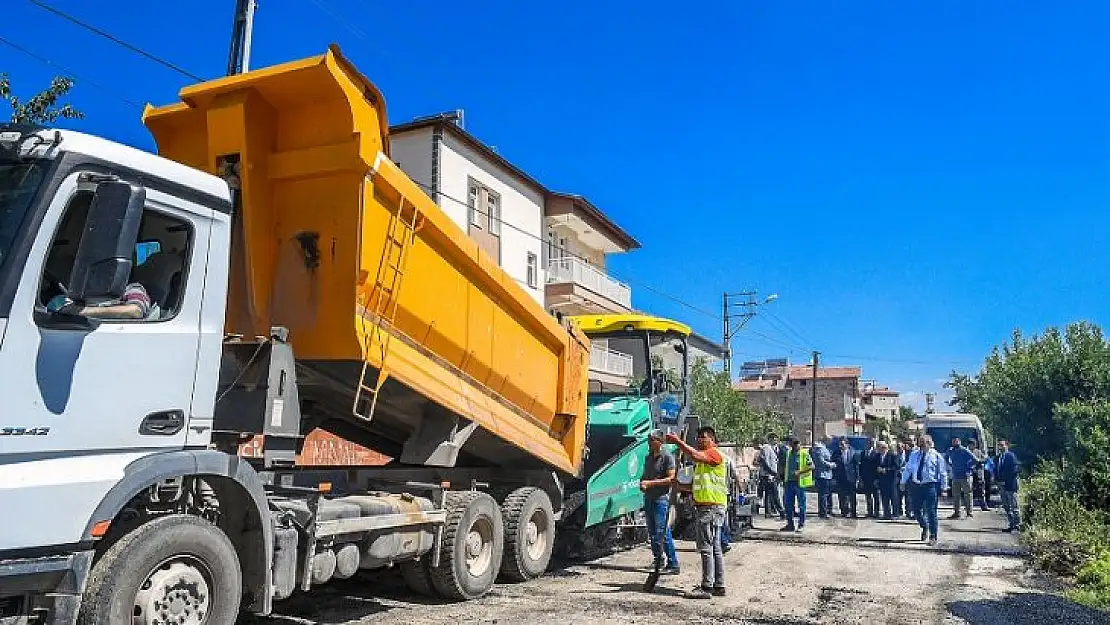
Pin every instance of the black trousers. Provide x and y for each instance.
(888, 493)
(846, 499)
(977, 490)
(871, 495)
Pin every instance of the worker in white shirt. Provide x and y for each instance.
(926, 475)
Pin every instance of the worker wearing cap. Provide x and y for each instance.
(710, 494)
(659, 472)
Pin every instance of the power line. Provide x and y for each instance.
(568, 253)
(789, 326)
(901, 360)
(114, 39)
(778, 327)
(339, 18)
(70, 73)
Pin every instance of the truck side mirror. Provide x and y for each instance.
(103, 262)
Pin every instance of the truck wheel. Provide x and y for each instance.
(173, 569)
(529, 534)
(418, 577)
(473, 539)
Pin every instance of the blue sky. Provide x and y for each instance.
(914, 179)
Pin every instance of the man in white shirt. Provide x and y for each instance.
(926, 474)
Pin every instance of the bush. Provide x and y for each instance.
(1093, 583)
(1062, 535)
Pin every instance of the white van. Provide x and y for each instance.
(944, 426)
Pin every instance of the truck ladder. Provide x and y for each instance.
(383, 303)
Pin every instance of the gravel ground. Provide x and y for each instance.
(770, 582)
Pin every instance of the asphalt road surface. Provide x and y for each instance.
(840, 571)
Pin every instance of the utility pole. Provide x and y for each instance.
(748, 303)
(239, 56)
(813, 407)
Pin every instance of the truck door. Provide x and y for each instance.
(80, 403)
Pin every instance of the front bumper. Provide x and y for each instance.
(43, 590)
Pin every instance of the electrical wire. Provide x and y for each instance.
(70, 74)
(114, 39)
(567, 253)
(339, 18)
(789, 326)
(356, 31)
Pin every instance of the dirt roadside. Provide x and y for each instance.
(770, 582)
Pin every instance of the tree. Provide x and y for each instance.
(42, 107)
(726, 409)
(905, 414)
(1032, 391)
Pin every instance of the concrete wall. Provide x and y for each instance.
(797, 399)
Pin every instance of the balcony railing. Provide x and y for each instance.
(573, 270)
(605, 360)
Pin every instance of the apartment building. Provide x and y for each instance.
(878, 402)
(553, 244)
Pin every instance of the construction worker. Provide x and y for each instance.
(796, 479)
(710, 494)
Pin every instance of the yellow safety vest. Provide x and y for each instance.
(805, 480)
(710, 483)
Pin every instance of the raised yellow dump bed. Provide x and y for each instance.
(336, 244)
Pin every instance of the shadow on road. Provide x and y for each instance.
(638, 587)
(1026, 609)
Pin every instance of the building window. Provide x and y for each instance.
(533, 271)
(474, 203)
(484, 207)
(493, 209)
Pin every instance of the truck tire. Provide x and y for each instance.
(161, 569)
(473, 540)
(418, 577)
(529, 534)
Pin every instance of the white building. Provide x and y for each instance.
(554, 244)
(879, 402)
(499, 205)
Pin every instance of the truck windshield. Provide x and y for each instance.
(18, 182)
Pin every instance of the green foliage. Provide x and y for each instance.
(1093, 583)
(1022, 382)
(1050, 396)
(1061, 533)
(905, 413)
(42, 107)
(725, 408)
(1086, 427)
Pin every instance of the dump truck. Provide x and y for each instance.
(172, 326)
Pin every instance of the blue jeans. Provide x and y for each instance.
(824, 497)
(792, 492)
(659, 532)
(925, 506)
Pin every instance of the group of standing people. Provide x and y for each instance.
(906, 480)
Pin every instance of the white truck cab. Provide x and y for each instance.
(89, 400)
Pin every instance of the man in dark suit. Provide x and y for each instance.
(889, 469)
(868, 476)
(846, 474)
